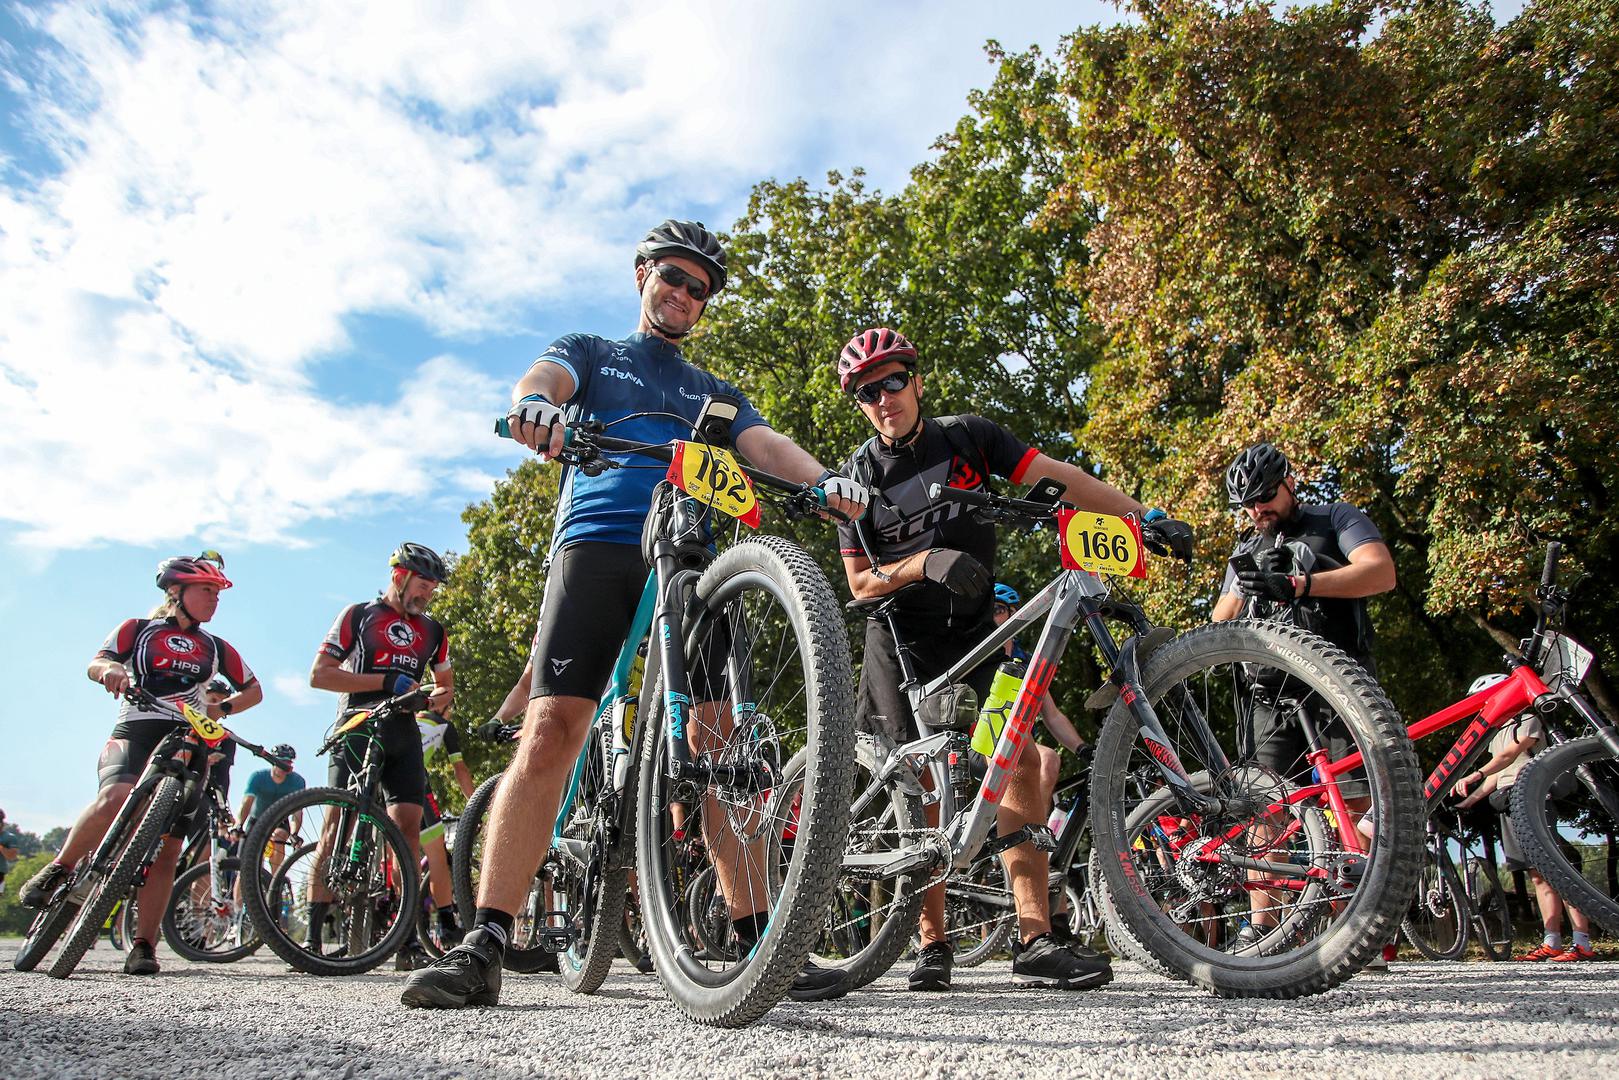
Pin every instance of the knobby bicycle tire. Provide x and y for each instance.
(1440, 919)
(183, 938)
(853, 919)
(1551, 780)
(104, 896)
(520, 956)
(1121, 940)
(776, 569)
(1492, 912)
(585, 963)
(372, 952)
(1358, 919)
(47, 927)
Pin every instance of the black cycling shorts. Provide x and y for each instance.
(590, 600)
(883, 708)
(404, 775)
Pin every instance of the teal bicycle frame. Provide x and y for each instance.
(618, 689)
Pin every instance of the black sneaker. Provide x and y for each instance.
(413, 957)
(933, 963)
(468, 974)
(531, 962)
(1041, 961)
(37, 892)
(142, 959)
(644, 964)
(817, 983)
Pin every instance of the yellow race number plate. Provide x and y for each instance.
(714, 477)
(208, 729)
(1102, 543)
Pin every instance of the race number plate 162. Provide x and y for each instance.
(1101, 543)
(713, 476)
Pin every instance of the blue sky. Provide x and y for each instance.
(268, 268)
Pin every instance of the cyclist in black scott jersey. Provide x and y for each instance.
(173, 657)
(376, 651)
(595, 580)
(948, 554)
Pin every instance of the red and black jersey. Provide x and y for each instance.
(172, 663)
(373, 639)
(955, 451)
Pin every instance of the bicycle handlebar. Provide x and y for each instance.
(584, 441)
(144, 697)
(1548, 575)
(1004, 505)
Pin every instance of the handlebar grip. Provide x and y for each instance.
(953, 494)
(503, 428)
(1548, 576)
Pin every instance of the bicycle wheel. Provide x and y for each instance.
(361, 860)
(786, 686)
(1563, 812)
(523, 952)
(1492, 912)
(202, 926)
(872, 920)
(137, 845)
(467, 851)
(46, 928)
(1439, 921)
(592, 878)
(287, 895)
(1266, 896)
(1121, 941)
(978, 912)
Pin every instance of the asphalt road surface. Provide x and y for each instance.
(258, 1019)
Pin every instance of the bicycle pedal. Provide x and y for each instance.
(558, 939)
(1041, 837)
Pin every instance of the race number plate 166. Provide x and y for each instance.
(1101, 543)
(713, 476)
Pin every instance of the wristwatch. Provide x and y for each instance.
(227, 707)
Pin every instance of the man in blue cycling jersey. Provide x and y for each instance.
(594, 585)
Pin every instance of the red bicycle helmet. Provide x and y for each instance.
(869, 348)
(190, 570)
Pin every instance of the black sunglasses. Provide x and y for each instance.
(868, 393)
(695, 287)
(1262, 497)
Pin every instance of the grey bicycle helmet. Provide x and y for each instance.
(420, 560)
(1258, 469)
(284, 751)
(690, 239)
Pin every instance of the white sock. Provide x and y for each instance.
(1582, 941)
(1553, 939)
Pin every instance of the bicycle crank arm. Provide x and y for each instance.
(1041, 837)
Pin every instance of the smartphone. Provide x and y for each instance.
(1046, 491)
(1244, 563)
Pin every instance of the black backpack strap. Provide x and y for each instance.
(955, 433)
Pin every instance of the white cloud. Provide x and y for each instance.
(294, 689)
(235, 186)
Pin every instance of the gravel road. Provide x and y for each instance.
(256, 1018)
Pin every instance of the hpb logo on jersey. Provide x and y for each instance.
(401, 635)
(182, 645)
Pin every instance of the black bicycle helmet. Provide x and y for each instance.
(217, 685)
(284, 751)
(1258, 469)
(691, 239)
(419, 560)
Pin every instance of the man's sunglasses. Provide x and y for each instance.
(868, 393)
(695, 287)
(1262, 497)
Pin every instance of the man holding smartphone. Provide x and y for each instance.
(1313, 567)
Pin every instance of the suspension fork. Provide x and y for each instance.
(1125, 673)
(668, 637)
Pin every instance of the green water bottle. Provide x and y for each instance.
(992, 717)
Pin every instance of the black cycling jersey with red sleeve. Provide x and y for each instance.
(374, 639)
(955, 451)
(172, 662)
